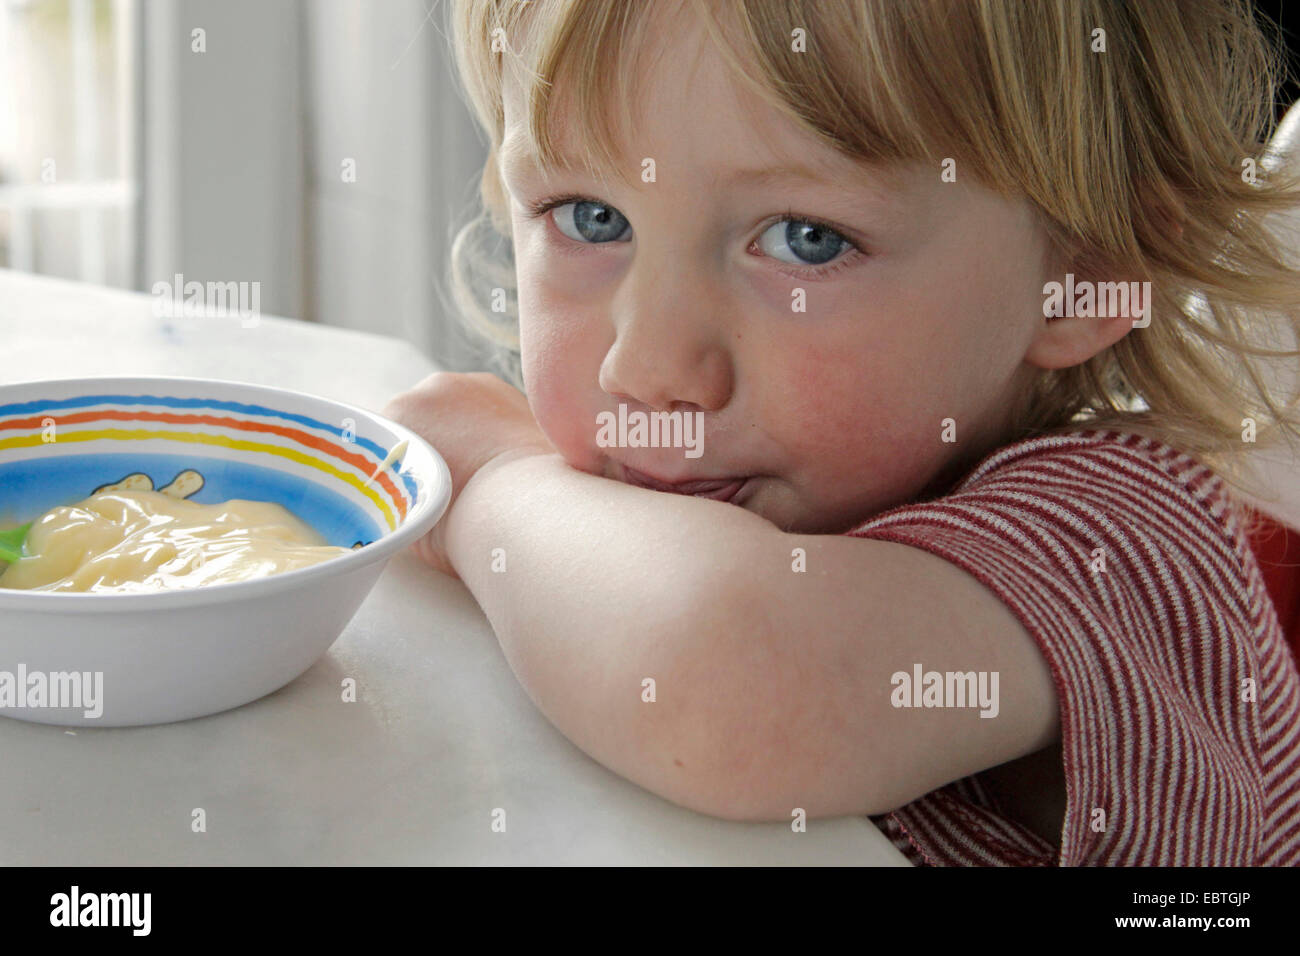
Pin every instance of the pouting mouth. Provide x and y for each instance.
(718, 489)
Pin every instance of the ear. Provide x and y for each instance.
(1088, 317)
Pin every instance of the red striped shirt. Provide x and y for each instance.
(1152, 659)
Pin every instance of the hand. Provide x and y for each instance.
(472, 420)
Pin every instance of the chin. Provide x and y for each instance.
(586, 461)
(574, 446)
(792, 517)
(769, 503)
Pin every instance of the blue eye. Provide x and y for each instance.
(794, 239)
(592, 222)
(809, 243)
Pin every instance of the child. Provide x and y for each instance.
(877, 358)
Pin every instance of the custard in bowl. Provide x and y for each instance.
(194, 544)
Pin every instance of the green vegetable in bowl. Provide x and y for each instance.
(11, 542)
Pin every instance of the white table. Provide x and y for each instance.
(440, 736)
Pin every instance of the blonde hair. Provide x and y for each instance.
(1132, 158)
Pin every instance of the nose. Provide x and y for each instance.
(669, 349)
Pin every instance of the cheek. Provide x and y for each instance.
(858, 426)
(560, 358)
(841, 407)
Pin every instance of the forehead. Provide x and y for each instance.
(685, 109)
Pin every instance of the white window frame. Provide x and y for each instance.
(84, 192)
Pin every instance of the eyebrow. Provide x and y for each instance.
(769, 174)
(517, 149)
(882, 194)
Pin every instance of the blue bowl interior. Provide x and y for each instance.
(33, 486)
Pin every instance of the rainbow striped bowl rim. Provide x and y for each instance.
(210, 440)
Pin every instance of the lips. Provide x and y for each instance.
(718, 489)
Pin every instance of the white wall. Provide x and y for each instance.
(222, 147)
(380, 90)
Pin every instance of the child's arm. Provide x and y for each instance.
(773, 687)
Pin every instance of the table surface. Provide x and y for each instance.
(441, 734)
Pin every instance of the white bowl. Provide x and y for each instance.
(173, 655)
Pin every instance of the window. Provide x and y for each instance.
(68, 189)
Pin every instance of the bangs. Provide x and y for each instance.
(578, 63)
(577, 67)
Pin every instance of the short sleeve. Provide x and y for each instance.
(1116, 554)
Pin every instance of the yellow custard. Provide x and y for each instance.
(127, 540)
